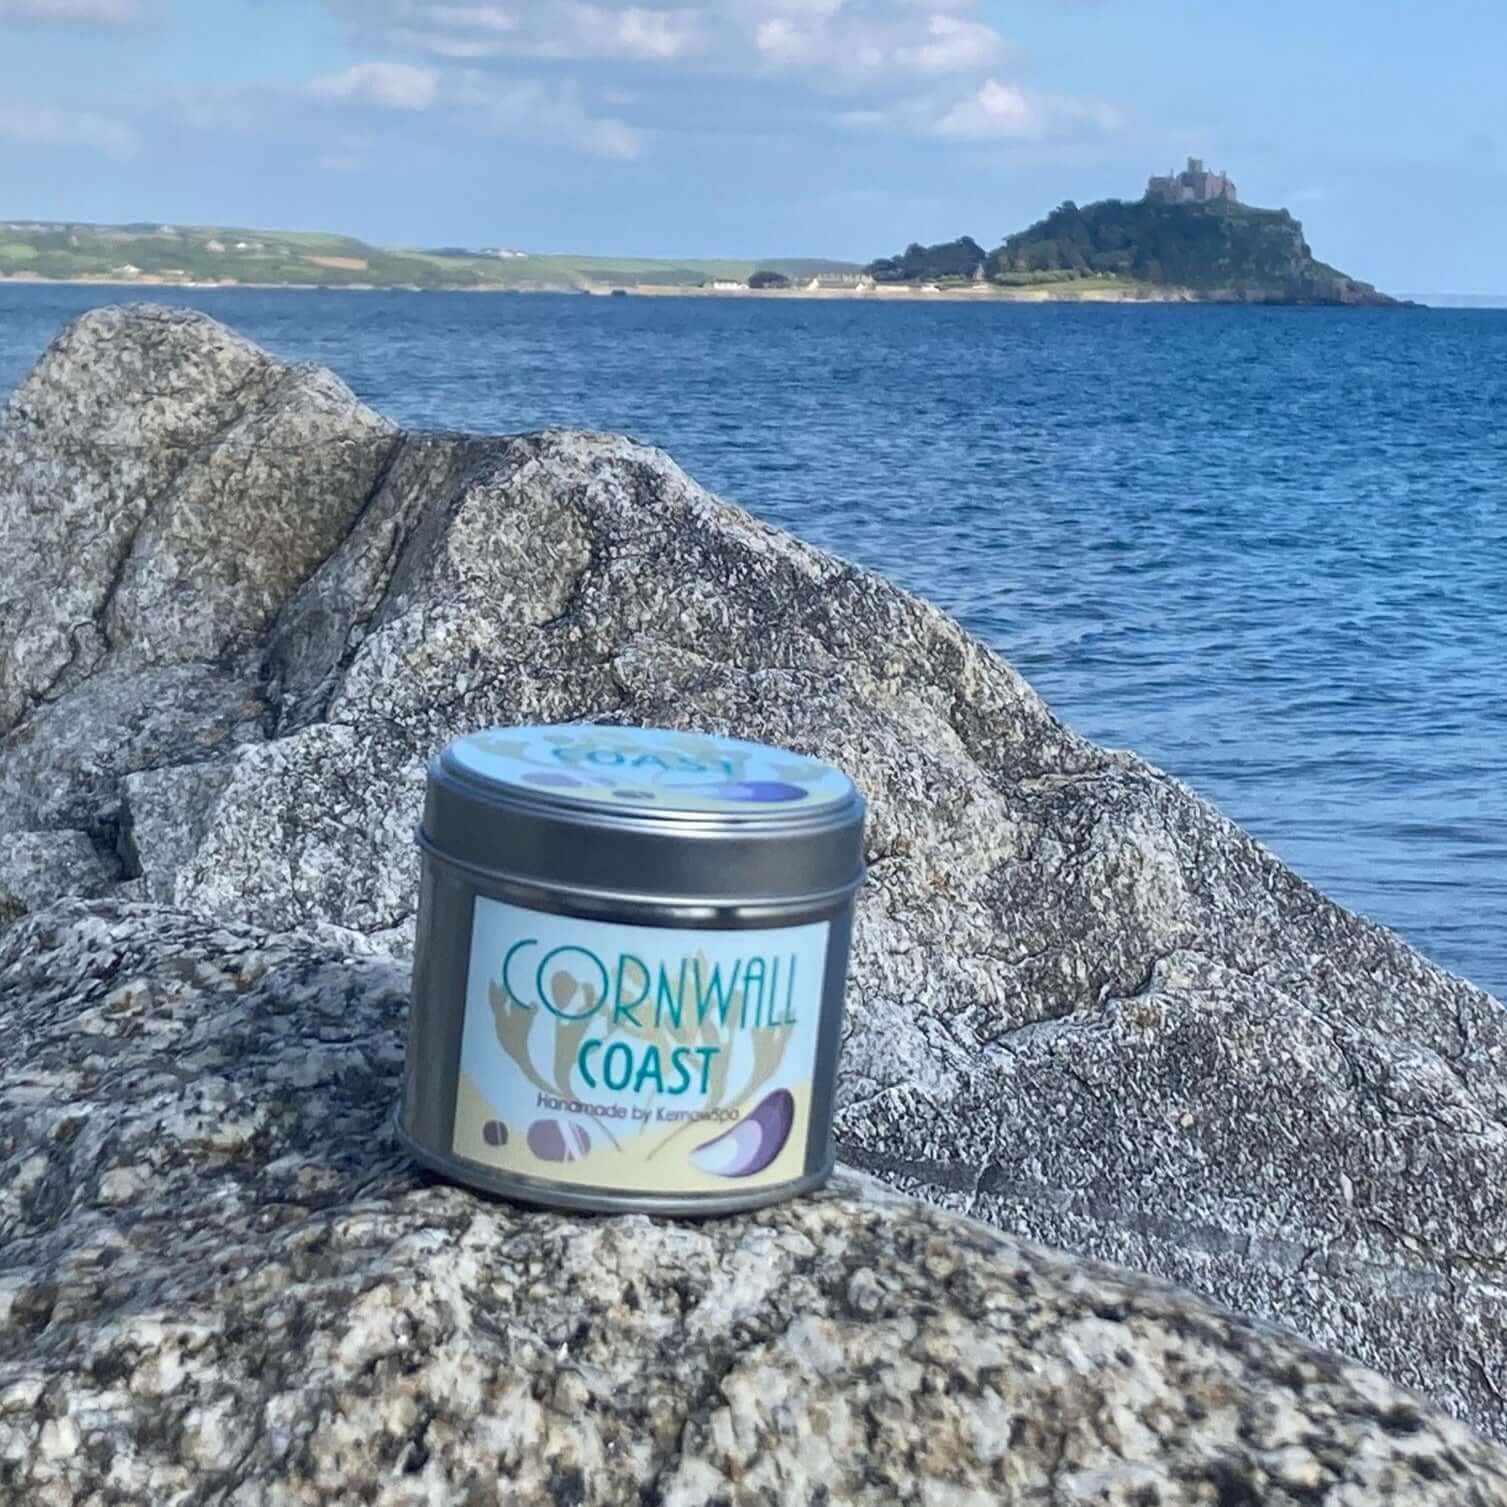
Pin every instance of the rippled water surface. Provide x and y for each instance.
(1267, 548)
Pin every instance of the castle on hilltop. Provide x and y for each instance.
(1195, 186)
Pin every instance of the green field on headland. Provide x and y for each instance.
(218, 254)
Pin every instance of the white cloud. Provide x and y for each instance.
(73, 12)
(548, 30)
(460, 32)
(47, 126)
(394, 86)
(452, 99)
(476, 17)
(785, 41)
(925, 37)
(639, 33)
(813, 8)
(582, 32)
(877, 41)
(927, 68)
(992, 111)
(532, 107)
(954, 46)
(455, 49)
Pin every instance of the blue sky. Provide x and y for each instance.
(761, 127)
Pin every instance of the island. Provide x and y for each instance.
(1188, 238)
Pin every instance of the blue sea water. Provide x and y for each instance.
(1267, 548)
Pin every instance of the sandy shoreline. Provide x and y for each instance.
(905, 292)
(1064, 293)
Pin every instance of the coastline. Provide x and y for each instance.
(909, 292)
(1129, 293)
(1266, 262)
(883, 292)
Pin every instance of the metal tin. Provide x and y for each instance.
(632, 951)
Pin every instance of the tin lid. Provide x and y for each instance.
(645, 813)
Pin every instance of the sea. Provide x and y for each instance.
(1264, 547)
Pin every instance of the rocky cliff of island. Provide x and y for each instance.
(1218, 249)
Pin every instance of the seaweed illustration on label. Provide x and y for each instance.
(753, 1143)
(513, 1025)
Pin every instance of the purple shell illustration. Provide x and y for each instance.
(558, 1141)
(753, 1143)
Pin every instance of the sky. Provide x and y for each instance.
(752, 128)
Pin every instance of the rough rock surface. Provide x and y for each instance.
(220, 1281)
(36, 867)
(1084, 1006)
(164, 486)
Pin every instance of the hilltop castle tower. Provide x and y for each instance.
(1195, 186)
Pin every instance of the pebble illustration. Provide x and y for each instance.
(558, 1141)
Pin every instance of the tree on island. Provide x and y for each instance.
(960, 258)
(764, 278)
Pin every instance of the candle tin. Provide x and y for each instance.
(631, 957)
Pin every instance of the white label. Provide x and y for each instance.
(639, 1058)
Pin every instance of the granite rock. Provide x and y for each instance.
(1084, 1005)
(165, 486)
(37, 866)
(220, 1281)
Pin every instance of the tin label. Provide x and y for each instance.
(650, 767)
(638, 1058)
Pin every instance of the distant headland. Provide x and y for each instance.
(1189, 239)
(215, 256)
